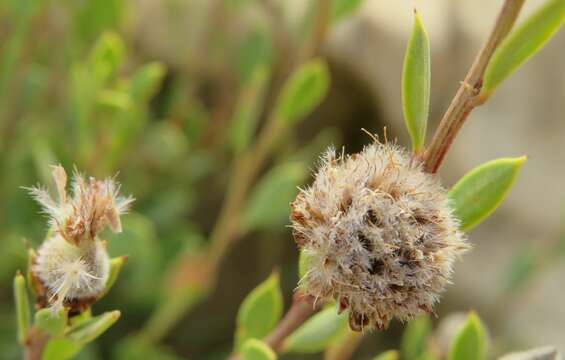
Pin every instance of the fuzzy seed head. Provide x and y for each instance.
(379, 234)
(72, 264)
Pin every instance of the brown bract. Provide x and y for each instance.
(379, 234)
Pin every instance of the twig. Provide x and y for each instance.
(468, 95)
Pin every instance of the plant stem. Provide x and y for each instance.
(469, 94)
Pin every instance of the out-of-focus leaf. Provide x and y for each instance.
(50, 322)
(253, 349)
(344, 8)
(85, 332)
(303, 91)
(522, 267)
(247, 110)
(254, 53)
(260, 311)
(133, 348)
(268, 204)
(146, 81)
(107, 56)
(416, 76)
(542, 353)
(60, 349)
(415, 336)
(317, 332)
(116, 265)
(481, 191)
(524, 43)
(388, 355)
(469, 344)
(119, 100)
(22, 307)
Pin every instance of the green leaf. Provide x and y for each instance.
(247, 110)
(477, 194)
(416, 74)
(469, 344)
(116, 265)
(304, 263)
(413, 344)
(146, 81)
(107, 56)
(388, 355)
(317, 332)
(60, 349)
(254, 349)
(87, 331)
(343, 8)
(268, 204)
(22, 307)
(50, 322)
(524, 43)
(260, 311)
(253, 53)
(303, 91)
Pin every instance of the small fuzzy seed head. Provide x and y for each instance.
(379, 234)
(72, 264)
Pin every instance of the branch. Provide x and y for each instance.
(468, 95)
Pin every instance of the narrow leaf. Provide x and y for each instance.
(246, 113)
(116, 265)
(22, 307)
(50, 322)
(268, 204)
(477, 194)
(316, 333)
(416, 75)
(414, 338)
(524, 43)
(107, 56)
(303, 91)
(87, 331)
(469, 344)
(254, 349)
(260, 311)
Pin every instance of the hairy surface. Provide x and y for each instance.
(379, 234)
(72, 264)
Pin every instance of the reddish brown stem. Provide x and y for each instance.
(469, 94)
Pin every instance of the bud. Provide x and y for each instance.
(72, 265)
(379, 233)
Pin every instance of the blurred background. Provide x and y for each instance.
(156, 91)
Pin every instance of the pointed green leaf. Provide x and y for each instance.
(268, 204)
(415, 336)
(146, 81)
(254, 349)
(469, 344)
(388, 355)
(116, 265)
(22, 307)
(87, 331)
(247, 110)
(260, 311)
(303, 91)
(107, 56)
(481, 191)
(416, 75)
(317, 332)
(50, 322)
(524, 43)
(60, 349)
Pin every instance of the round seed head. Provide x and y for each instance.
(379, 233)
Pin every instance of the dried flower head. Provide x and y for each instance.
(379, 235)
(72, 265)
